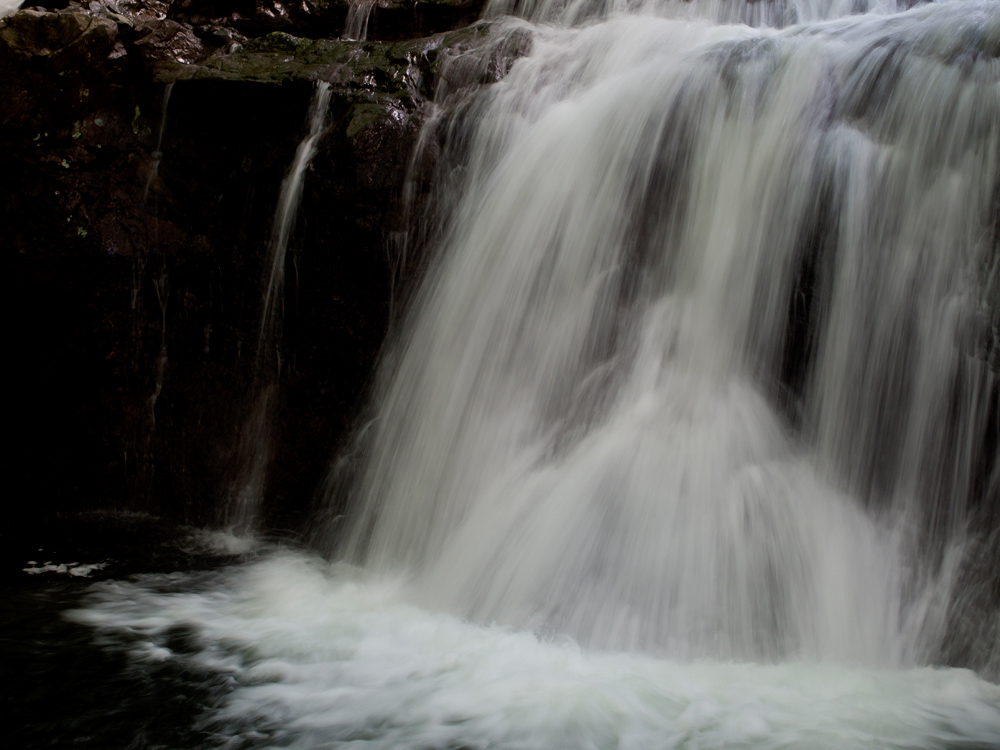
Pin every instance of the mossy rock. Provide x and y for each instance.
(403, 69)
(275, 42)
(398, 69)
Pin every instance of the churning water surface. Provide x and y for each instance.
(321, 657)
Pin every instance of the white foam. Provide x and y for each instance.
(222, 542)
(322, 657)
(74, 568)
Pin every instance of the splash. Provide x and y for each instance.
(317, 658)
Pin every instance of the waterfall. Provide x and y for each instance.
(254, 448)
(356, 25)
(773, 13)
(704, 361)
(687, 437)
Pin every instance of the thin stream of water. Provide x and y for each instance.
(254, 447)
(358, 15)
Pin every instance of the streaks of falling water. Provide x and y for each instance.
(154, 169)
(254, 448)
(773, 13)
(160, 284)
(358, 15)
(284, 221)
(589, 425)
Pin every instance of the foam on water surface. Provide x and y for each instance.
(73, 569)
(323, 656)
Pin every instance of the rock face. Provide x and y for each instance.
(142, 147)
(382, 19)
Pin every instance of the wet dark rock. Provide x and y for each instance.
(166, 40)
(407, 70)
(388, 20)
(121, 11)
(476, 56)
(72, 62)
(138, 253)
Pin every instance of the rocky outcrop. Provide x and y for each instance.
(142, 157)
(383, 20)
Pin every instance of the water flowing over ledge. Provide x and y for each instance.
(695, 370)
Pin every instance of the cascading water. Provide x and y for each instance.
(356, 25)
(703, 373)
(254, 449)
(694, 371)
(773, 13)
